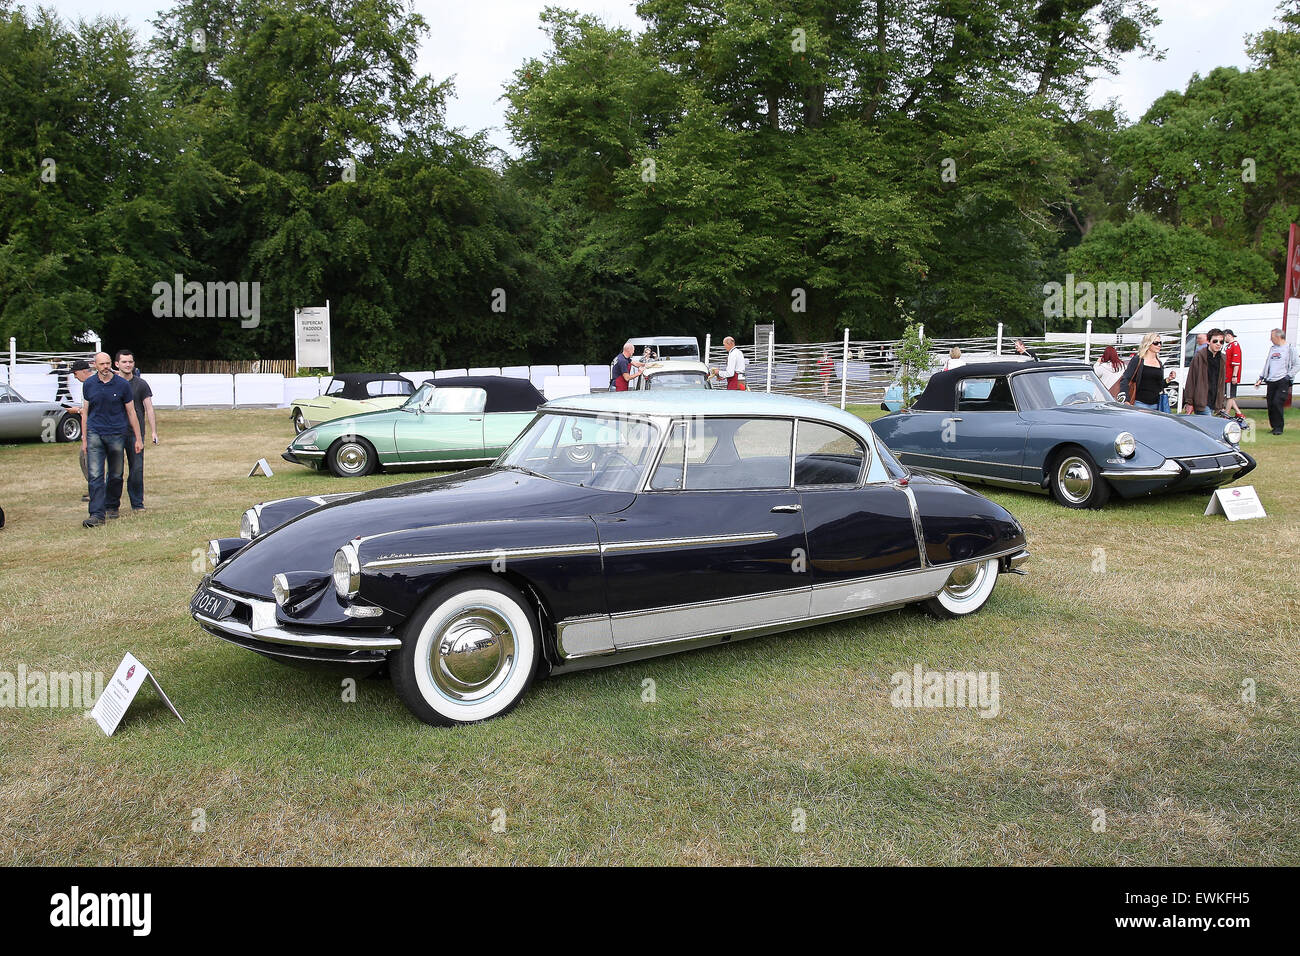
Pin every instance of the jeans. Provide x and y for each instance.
(1205, 410)
(104, 460)
(134, 477)
(1155, 407)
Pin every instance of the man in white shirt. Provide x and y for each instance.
(736, 365)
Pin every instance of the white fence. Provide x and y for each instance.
(844, 372)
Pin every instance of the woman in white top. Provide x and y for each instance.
(1110, 368)
(954, 360)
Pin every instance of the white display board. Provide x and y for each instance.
(299, 388)
(562, 386)
(451, 373)
(485, 371)
(515, 371)
(311, 337)
(35, 386)
(121, 690)
(538, 374)
(208, 391)
(416, 378)
(265, 388)
(598, 375)
(166, 390)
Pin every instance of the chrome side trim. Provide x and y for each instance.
(916, 522)
(688, 542)
(969, 461)
(829, 601)
(584, 637)
(458, 557)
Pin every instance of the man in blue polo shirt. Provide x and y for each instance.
(107, 415)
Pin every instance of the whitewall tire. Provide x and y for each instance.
(967, 590)
(469, 653)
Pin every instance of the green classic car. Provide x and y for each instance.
(351, 393)
(448, 422)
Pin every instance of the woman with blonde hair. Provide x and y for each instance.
(1145, 379)
(954, 359)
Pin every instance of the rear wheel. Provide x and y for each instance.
(299, 421)
(469, 653)
(968, 589)
(351, 458)
(1077, 481)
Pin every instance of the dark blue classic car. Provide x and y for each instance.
(616, 527)
(1052, 425)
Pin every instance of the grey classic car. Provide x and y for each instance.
(1053, 426)
(21, 420)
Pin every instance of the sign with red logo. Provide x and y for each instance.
(121, 690)
(1236, 504)
(1291, 281)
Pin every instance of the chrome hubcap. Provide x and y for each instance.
(299, 422)
(965, 580)
(472, 654)
(1075, 479)
(352, 457)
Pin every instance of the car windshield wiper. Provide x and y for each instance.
(526, 471)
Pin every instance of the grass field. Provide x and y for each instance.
(1120, 690)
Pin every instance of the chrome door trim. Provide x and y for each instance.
(917, 528)
(460, 557)
(648, 543)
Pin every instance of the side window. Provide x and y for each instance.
(391, 388)
(984, 395)
(335, 387)
(824, 455)
(672, 466)
(745, 454)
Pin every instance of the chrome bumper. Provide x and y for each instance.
(265, 629)
(1178, 468)
(1016, 561)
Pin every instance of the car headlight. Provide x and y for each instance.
(214, 553)
(347, 571)
(250, 525)
(1125, 445)
(1232, 433)
(280, 589)
(306, 438)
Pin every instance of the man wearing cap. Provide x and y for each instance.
(107, 415)
(82, 370)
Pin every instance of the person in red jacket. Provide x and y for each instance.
(1232, 355)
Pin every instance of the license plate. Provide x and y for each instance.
(211, 605)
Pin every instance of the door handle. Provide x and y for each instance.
(953, 418)
(787, 509)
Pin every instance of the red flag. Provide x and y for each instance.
(1291, 279)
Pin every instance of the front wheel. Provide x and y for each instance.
(69, 428)
(1077, 481)
(299, 421)
(351, 458)
(468, 654)
(968, 589)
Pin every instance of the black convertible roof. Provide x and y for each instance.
(354, 383)
(940, 393)
(504, 394)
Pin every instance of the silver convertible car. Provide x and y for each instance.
(617, 526)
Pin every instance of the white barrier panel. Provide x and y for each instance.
(562, 386)
(537, 374)
(485, 371)
(253, 389)
(208, 391)
(4, 374)
(451, 373)
(298, 388)
(573, 370)
(416, 378)
(166, 390)
(598, 375)
(515, 371)
(35, 388)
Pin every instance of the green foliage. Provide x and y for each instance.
(914, 363)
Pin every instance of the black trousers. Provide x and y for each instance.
(1277, 393)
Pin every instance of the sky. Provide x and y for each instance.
(482, 42)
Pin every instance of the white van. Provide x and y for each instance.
(1252, 324)
(669, 346)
